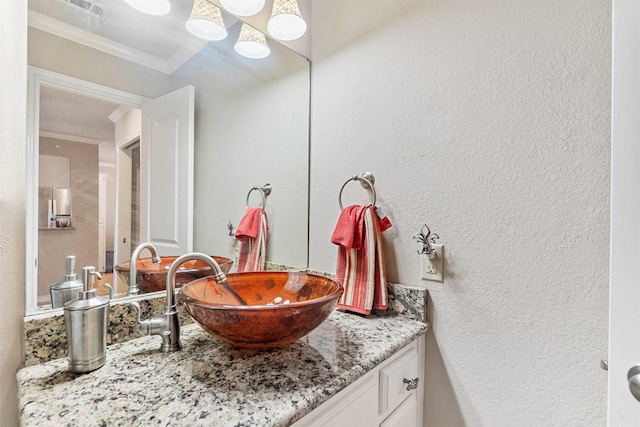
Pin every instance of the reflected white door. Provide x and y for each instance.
(166, 172)
(624, 309)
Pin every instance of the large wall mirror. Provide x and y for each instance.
(95, 72)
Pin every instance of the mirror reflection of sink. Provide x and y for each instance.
(280, 307)
(153, 277)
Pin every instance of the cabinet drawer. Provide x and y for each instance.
(393, 389)
(354, 406)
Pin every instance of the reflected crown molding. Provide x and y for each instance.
(72, 138)
(119, 112)
(168, 66)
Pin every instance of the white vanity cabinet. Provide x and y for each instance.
(387, 396)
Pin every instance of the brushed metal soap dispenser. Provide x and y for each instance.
(86, 320)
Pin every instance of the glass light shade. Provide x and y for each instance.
(243, 7)
(206, 21)
(252, 43)
(286, 22)
(150, 7)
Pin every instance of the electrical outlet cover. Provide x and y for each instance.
(433, 269)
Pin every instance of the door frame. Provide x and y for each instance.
(38, 77)
(624, 299)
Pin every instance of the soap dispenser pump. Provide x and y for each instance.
(86, 320)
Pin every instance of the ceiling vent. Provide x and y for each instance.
(90, 7)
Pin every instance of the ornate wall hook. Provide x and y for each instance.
(426, 240)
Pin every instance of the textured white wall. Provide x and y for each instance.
(13, 107)
(490, 122)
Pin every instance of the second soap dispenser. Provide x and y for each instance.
(86, 320)
(69, 287)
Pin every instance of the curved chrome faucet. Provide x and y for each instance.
(168, 326)
(133, 268)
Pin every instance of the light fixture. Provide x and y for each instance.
(286, 22)
(206, 21)
(150, 7)
(243, 7)
(252, 43)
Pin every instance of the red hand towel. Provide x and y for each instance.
(252, 234)
(360, 266)
(350, 226)
(249, 226)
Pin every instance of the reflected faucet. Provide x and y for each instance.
(168, 326)
(133, 268)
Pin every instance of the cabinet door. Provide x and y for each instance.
(406, 415)
(354, 406)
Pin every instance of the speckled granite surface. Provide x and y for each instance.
(407, 302)
(209, 383)
(45, 338)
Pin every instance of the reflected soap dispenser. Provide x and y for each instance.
(86, 320)
(69, 287)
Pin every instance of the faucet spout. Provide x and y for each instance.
(133, 268)
(218, 274)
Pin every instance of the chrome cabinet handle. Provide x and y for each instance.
(634, 381)
(411, 384)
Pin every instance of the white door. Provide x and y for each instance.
(166, 172)
(624, 309)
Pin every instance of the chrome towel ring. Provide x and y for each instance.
(366, 180)
(264, 191)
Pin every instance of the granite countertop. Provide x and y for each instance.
(209, 382)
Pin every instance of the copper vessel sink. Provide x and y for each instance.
(153, 277)
(261, 309)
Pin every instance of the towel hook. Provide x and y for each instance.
(366, 180)
(264, 191)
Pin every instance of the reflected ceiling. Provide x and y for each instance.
(76, 115)
(161, 42)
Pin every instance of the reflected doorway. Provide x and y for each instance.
(172, 110)
(81, 130)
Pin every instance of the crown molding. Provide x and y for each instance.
(86, 38)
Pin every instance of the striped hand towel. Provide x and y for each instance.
(252, 234)
(360, 268)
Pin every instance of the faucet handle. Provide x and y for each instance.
(145, 327)
(168, 327)
(109, 290)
